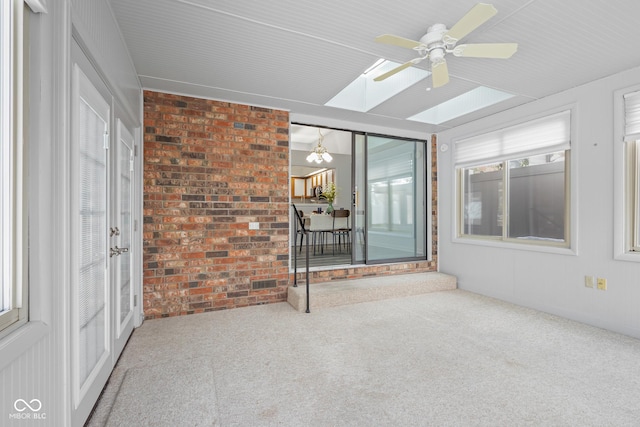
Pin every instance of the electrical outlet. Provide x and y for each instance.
(602, 284)
(589, 281)
(254, 226)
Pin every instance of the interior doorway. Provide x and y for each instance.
(382, 182)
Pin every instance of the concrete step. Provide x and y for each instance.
(343, 292)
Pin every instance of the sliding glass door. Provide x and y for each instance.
(396, 199)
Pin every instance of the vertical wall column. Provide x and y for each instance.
(216, 212)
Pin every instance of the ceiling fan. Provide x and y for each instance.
(439, 41)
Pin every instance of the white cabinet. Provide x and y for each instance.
(297, 187)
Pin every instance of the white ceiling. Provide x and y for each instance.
(297, 54)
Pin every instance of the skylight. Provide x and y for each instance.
(363, 93)
(474, 100)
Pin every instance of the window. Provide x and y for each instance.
(13, 290)
(513, 184)
(632, 184)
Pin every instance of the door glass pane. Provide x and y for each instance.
(396, 174)
(483, 199)
(92, 242)
(537, 197)
(420, 195)
(125, 294)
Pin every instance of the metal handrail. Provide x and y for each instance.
(302, 230)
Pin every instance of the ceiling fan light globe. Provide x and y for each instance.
(436, 55)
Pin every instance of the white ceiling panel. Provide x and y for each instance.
(297, 54)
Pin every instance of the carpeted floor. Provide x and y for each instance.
(442, 359)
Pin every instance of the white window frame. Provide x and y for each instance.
(501, 146)
(634, 195)
(13, 307)
(627, 160)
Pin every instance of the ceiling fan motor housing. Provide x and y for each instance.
(434, 34)
(435, 46)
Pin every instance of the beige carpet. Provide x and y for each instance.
(175, 393)
(441, 359)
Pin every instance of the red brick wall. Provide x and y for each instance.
(210, 168)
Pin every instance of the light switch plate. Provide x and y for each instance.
(589, 281)
(254, 226)
(602, 284)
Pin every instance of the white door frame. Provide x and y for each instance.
(84, 396)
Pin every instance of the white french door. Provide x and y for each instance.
(91, 349)
(101, 232)
(120, 234)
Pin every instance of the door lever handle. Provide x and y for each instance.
(117, 251)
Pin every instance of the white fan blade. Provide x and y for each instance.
(486, 50)
(394, 71)
(478, 15)
(397, 41)
(440, 74)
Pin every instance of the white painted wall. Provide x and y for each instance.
(94, 23)
(34, 362)
(554, 282)
(356, 127)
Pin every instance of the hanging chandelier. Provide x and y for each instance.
(319, 153)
